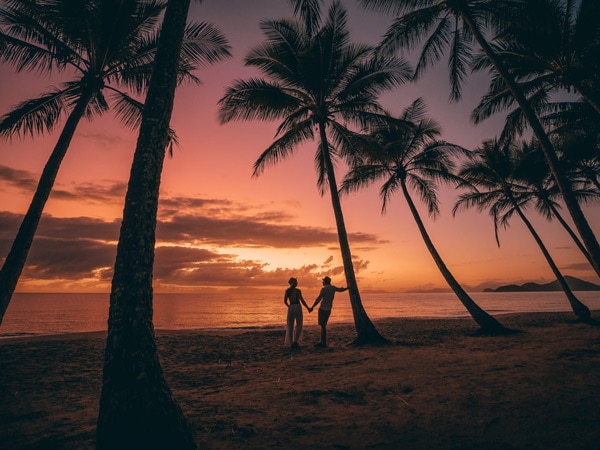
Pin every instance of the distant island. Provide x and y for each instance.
(574, 283)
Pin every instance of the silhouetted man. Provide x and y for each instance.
(326, 299)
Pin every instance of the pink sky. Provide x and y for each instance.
(221, 228)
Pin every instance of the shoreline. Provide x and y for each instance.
(227, 331)
(436, 386)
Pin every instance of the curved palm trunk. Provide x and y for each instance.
(15, 261)
(579, 308)
(367, 333)
(488, 324)
(566, 226)
(585, 231)
(137, 408)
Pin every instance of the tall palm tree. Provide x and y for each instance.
(556, 50)
(459, 26)
(411, 158)
(531, 169)
(317, 82)
(137, 408)
(488, 177)
(107, 48)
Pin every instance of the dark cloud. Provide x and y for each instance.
(68, 228)
(248, 232)
(99, 192)
(21, 179)
(93, 192)
(83, 248)
(68, 258)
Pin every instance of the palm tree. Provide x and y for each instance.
(107, 47)
(137, 408)
(488, 176)
(412, 157)
(458, 26)
(556, 50)
(317, 81)
(531, 170)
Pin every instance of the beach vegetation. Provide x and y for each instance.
(491, 185)
(409, 156)
(107, 50)
(458, 28)
(137, 408)
(320, 84)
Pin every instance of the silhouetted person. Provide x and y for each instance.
(326, 299)
(293, 300)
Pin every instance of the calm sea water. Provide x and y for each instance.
(47, 314)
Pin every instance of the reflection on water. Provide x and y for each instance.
(68, 313)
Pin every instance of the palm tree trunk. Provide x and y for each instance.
(579, 308)
(366, 331)
(488, 324)
(585, 231)
(587, 96)
(137, 408)
(17, 256)
(566, 226)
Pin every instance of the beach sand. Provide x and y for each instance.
(436, 387)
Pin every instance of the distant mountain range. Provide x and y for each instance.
(574, 283)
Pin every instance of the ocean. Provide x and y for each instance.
(50, 314)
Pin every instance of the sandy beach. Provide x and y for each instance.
(436, 387)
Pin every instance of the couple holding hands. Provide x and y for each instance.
(293, 300)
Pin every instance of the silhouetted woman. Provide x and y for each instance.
(293, 300)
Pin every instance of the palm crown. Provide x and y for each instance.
(106, 46)
(312, 78)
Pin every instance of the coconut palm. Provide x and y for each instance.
(489, 179)
(107, 49)
(411, 158)
(531, 170)
(556, 50)
(459, 26)
(581, 155)
(316, 81)
(137, 408)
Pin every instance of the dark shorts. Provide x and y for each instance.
(324, 317)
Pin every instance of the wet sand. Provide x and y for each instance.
(436, 387)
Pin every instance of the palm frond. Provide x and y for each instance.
(35, 116)
(284, 146)
(127, 109)
(460, 56)
(204, 44)
(256, 99)
(310, 13)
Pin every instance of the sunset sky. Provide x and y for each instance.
(221, 228)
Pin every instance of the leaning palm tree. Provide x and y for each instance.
(411, 158)
(488, 177)
(531, 170)
(107, 47)
(458, 26)
(137, 408)
(317, 81)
